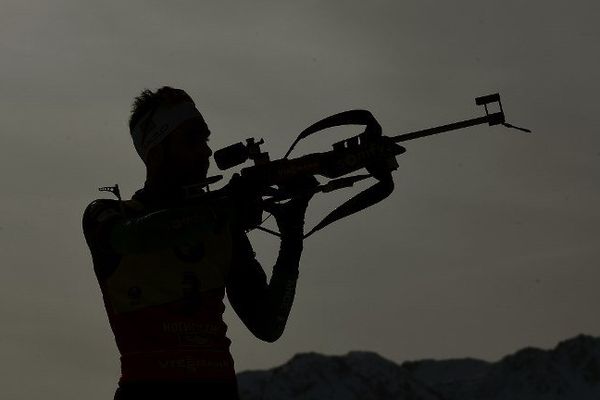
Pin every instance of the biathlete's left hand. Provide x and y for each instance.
(290, 215)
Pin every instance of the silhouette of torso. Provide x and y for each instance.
(165, 307)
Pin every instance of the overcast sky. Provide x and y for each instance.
(490, 242)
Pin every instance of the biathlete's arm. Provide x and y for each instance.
(263, 308)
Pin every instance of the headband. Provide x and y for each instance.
(157, 125)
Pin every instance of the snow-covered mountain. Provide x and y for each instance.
(569, 371)
(357, 375)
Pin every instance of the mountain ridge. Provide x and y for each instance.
(570, 370)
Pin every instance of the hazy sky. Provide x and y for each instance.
(490, 242)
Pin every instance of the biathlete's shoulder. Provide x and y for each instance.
(101, 214)
(101, 210)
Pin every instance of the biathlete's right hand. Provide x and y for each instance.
(241, 190)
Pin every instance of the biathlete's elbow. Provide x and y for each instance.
(270, 338)
(273, 334)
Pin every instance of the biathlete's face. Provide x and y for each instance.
(187, 152)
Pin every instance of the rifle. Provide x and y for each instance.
(369, 150)
(257, 187)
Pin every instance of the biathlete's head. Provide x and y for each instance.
(170, 135)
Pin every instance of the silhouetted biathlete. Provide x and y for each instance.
(164, 262)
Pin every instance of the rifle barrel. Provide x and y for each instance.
(491, 119)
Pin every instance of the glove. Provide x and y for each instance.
(290, 215)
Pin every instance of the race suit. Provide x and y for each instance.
(163, 267)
